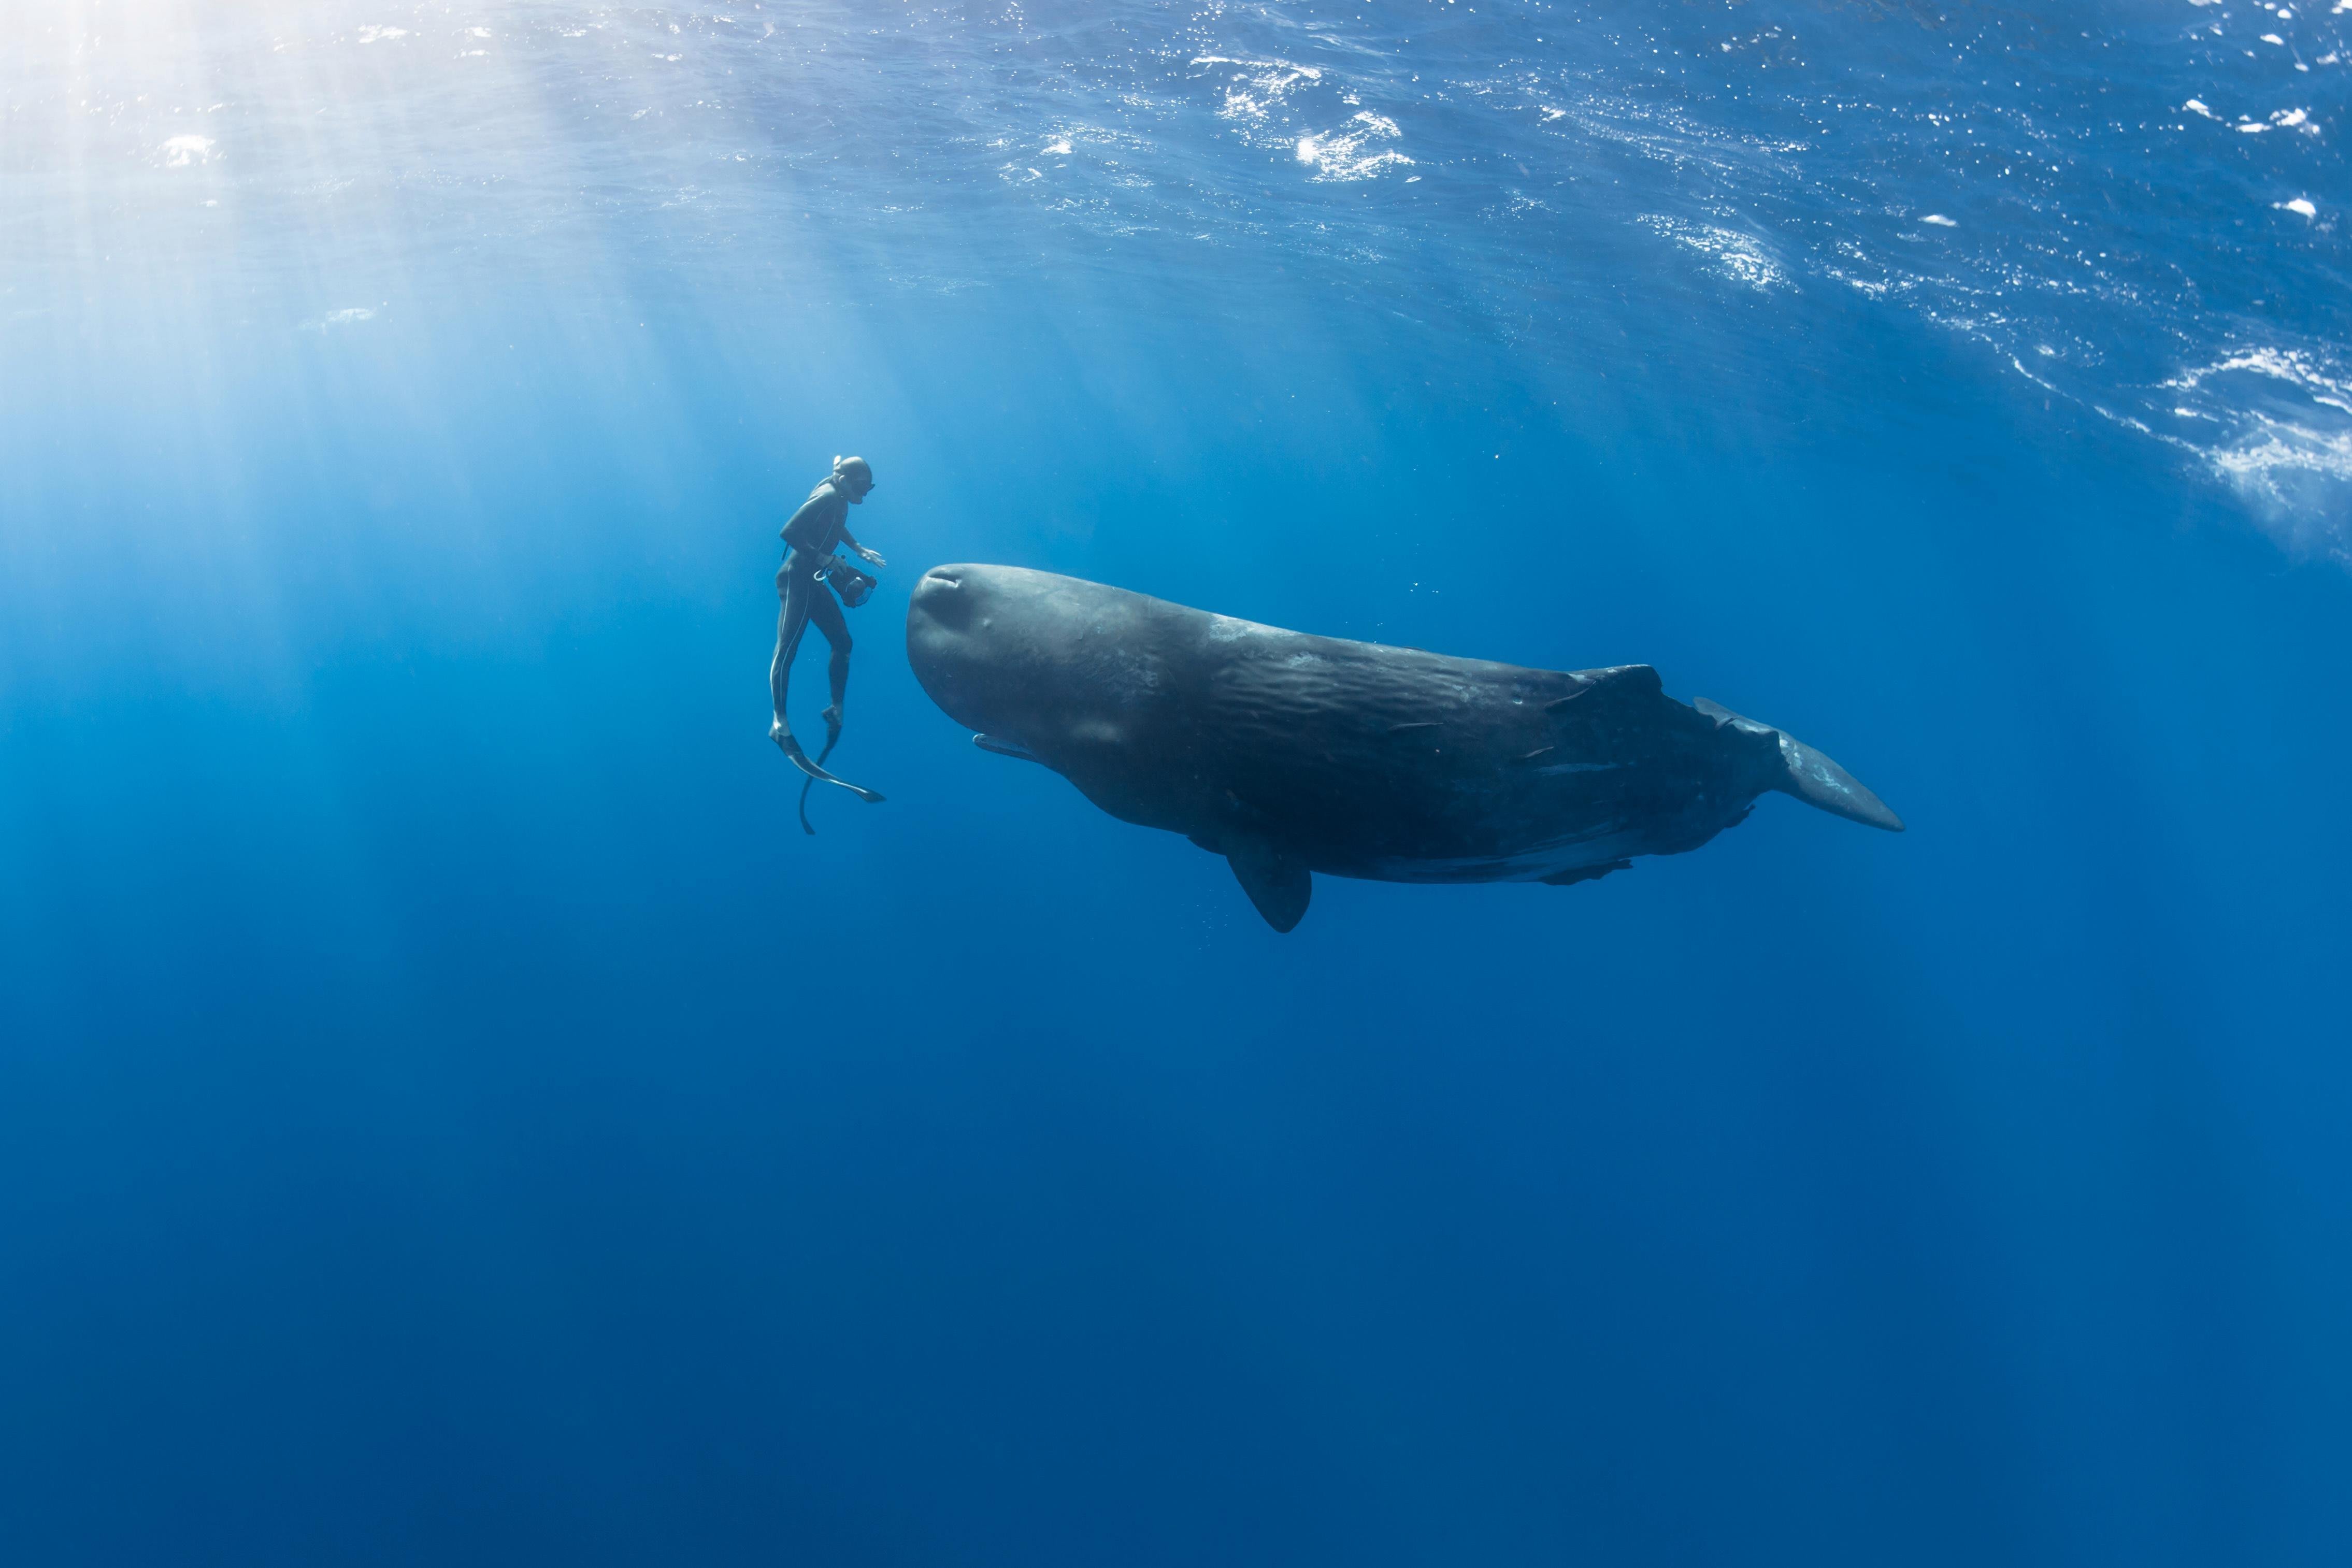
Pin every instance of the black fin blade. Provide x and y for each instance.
(791, 750)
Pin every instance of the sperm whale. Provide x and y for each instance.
(1291, 754)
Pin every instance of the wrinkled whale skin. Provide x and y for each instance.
(1289, 752)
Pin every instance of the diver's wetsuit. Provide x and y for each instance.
(816, 531)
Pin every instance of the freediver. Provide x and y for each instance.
(804, 591)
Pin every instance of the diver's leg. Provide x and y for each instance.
(827, 613)
(796, 589)
(805, 599)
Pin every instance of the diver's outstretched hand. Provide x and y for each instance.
(875, 555)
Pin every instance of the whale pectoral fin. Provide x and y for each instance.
(1278, 883)
(1583, 873)
(1005, 748)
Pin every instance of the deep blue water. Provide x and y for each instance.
(449, 1113)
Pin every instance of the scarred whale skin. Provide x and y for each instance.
(1289, 753)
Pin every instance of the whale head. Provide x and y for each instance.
(1038, 665)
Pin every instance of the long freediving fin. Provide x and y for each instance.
(832, 739)
(799, 758)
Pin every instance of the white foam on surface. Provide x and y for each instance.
(2295, 368)
(180, 151)
(2295, 480)
(1742, 257)
(1259, 87)
(1353, 152)
(2282, 418)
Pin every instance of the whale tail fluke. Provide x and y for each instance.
(1818, 781)
(1811, 776)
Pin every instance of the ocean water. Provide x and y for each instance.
(450, 1113)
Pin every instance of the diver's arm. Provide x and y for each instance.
(858, 549)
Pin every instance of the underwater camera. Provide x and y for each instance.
(853, 586)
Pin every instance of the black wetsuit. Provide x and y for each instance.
(815, 533)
